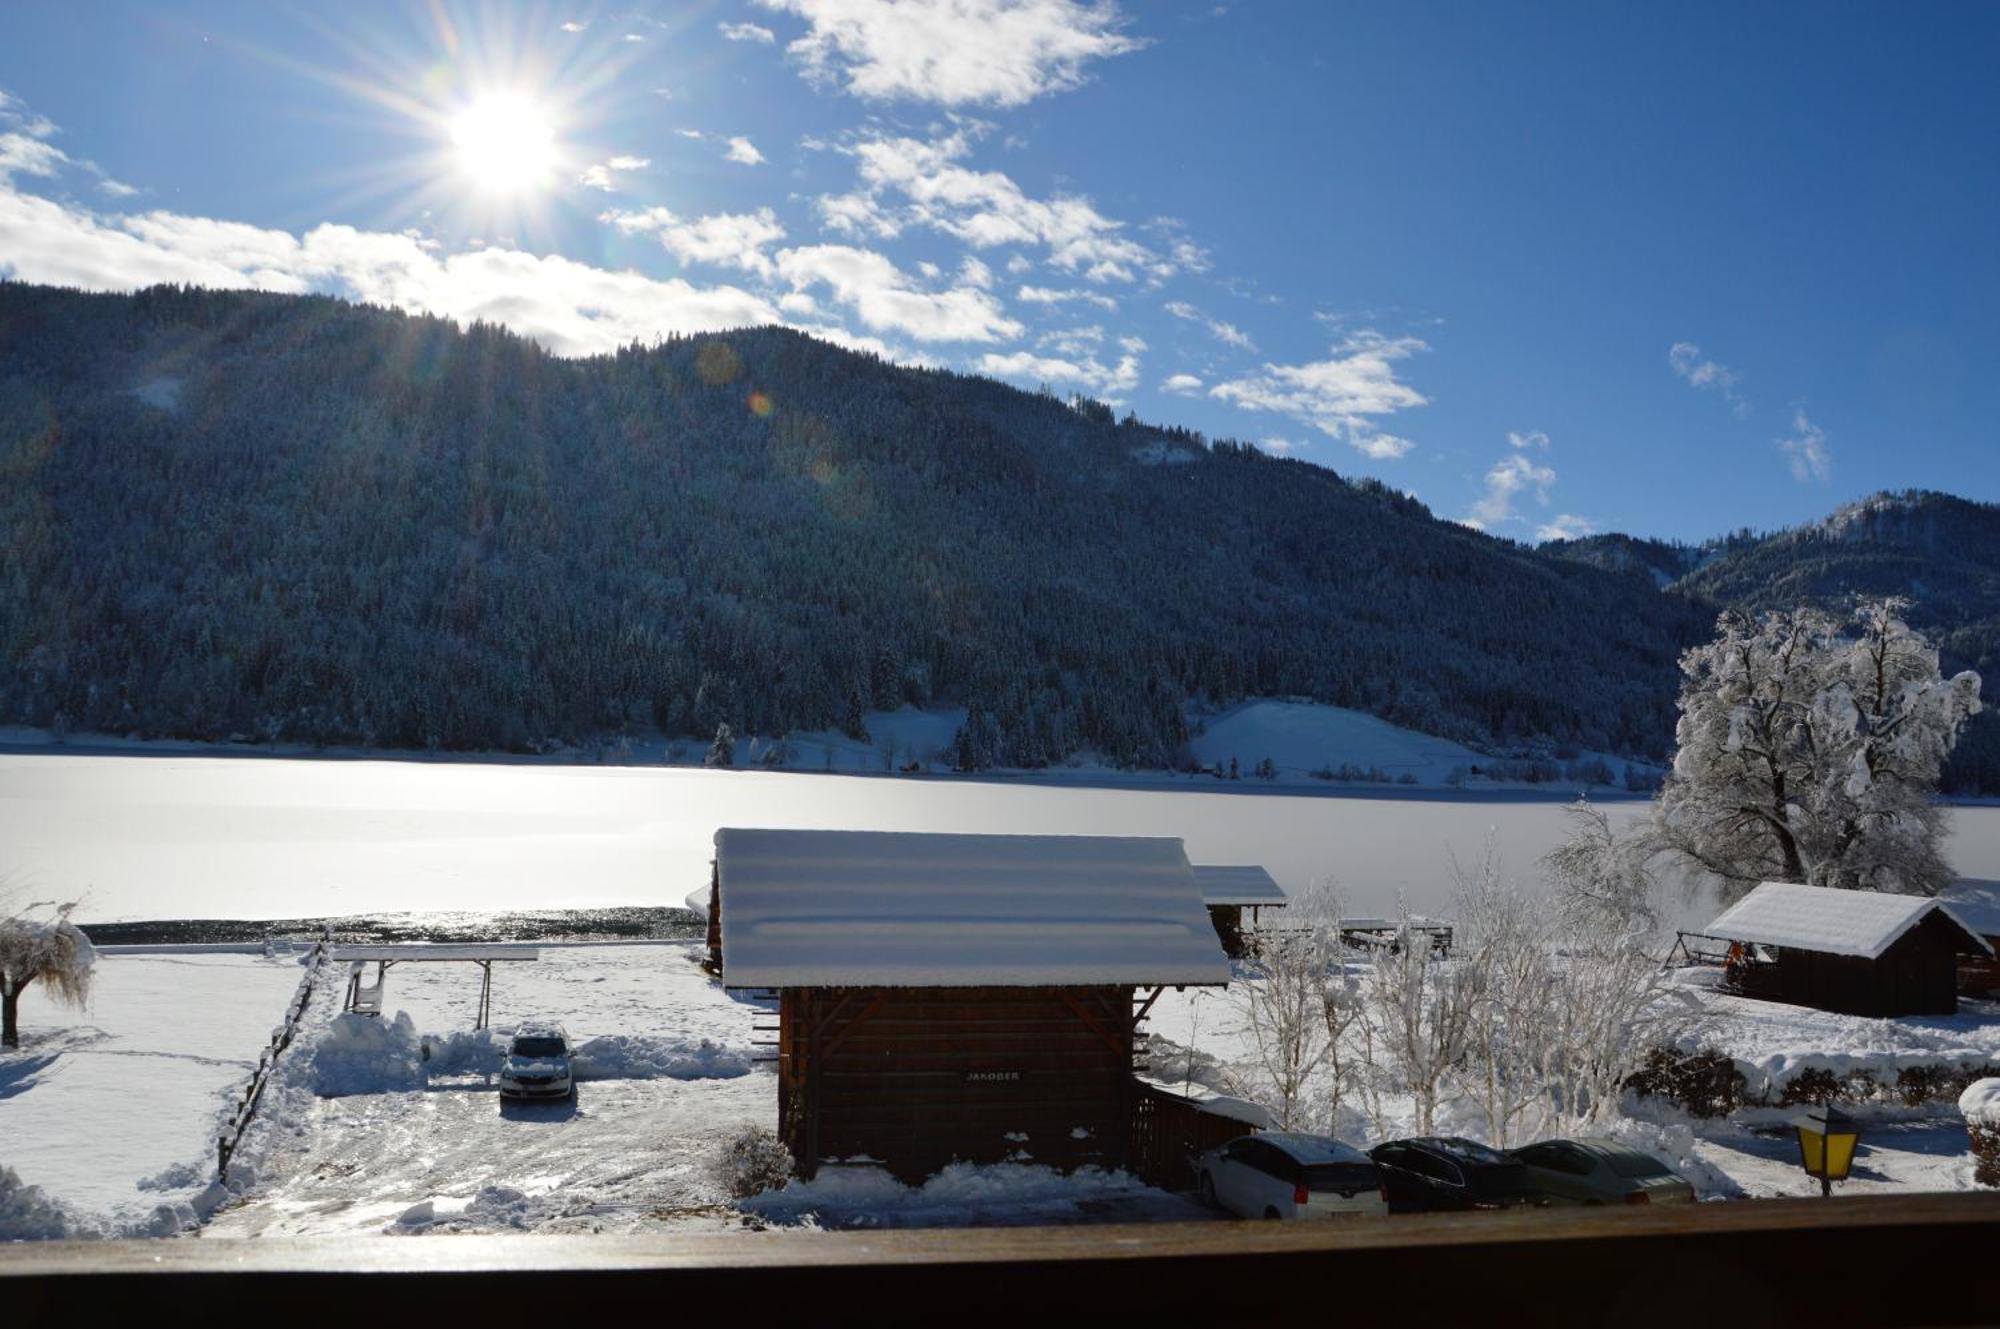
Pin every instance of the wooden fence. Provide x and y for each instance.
(1168, 1130)
(281, 1038)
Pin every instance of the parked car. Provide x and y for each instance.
(537, 1064)
(1600, 1171)
(1443, 1172)
(1280, 1174)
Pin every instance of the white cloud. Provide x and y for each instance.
(1281, 446)
(885, 299)
(1533, 439)
(987, 209)
(1043, 295)
(1705, 375)
(1227, 333)
(975, 273)
(954, 52)
(574, 26)
(1343, 395)
(1568, 526)
(1085, 371)
(731, 239)
(572, 308)
(1182, 384)
(747, 32)
(1510, 476)
(743, 150)
(604, 175)
(1806, 448)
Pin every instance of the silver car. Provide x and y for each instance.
(1282, 1174)
(537, 1064)
(1601, 1171)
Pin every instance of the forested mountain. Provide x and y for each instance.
(1941, 553)
(303, 520)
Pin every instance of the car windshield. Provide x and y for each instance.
(539, 1046)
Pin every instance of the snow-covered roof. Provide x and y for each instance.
(1821, 918)
(1208, 1100)
(1237, 883)
(1976, 903)
(901, 909)
(697, 902)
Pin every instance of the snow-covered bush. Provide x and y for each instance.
(757, 1161)
(52, 951)
(1980, 1103)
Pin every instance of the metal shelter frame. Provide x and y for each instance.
(368, 1000)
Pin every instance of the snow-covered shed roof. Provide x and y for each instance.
(1821, 918)
(903, 909)
(1237, 883)
(1976, 903)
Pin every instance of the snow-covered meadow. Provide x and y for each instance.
(113, 1113)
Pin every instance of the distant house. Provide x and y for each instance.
(1855, 952)
(945, 997)
(1229, 889)
(1976, 902)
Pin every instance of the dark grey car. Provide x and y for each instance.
(1599, 1171)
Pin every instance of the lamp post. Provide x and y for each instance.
(1827, 1139)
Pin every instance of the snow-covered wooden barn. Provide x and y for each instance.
(1855, 952)
(1230, 888)
(947, 997)
(1976, 902)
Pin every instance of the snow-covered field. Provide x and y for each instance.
(114, 1112)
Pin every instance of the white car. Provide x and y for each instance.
(1277, 1174)
(537, 1064)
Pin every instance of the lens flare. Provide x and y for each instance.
(760, 404)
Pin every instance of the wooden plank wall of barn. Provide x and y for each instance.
(919, 1077)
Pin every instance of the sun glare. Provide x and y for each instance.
(506, 143)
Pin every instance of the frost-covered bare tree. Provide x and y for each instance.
(1567, 1002)
(1505, 941)
(1423, 1011)
(1806, 754)
(52, 951)
(1283, 1005)
(1600, 877)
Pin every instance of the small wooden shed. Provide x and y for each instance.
(1976, 902)
(1854, 952)
(1229, 889)
(958, 997)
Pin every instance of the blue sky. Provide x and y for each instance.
(1671, 270)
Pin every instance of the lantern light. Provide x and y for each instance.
(1827, 1141)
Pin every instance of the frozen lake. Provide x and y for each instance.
(146, 837)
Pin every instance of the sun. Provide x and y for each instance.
(506, 144)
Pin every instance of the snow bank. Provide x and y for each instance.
(860, 1195)
(634, 1057)
(1981, 1102)
(27, 1213)
(362, 1054)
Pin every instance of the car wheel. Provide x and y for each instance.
(1206, 1190)
(1271, 1213)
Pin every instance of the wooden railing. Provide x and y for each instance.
(1906, 1259)
(281, 1038)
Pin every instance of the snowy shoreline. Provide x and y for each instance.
(14, 744)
